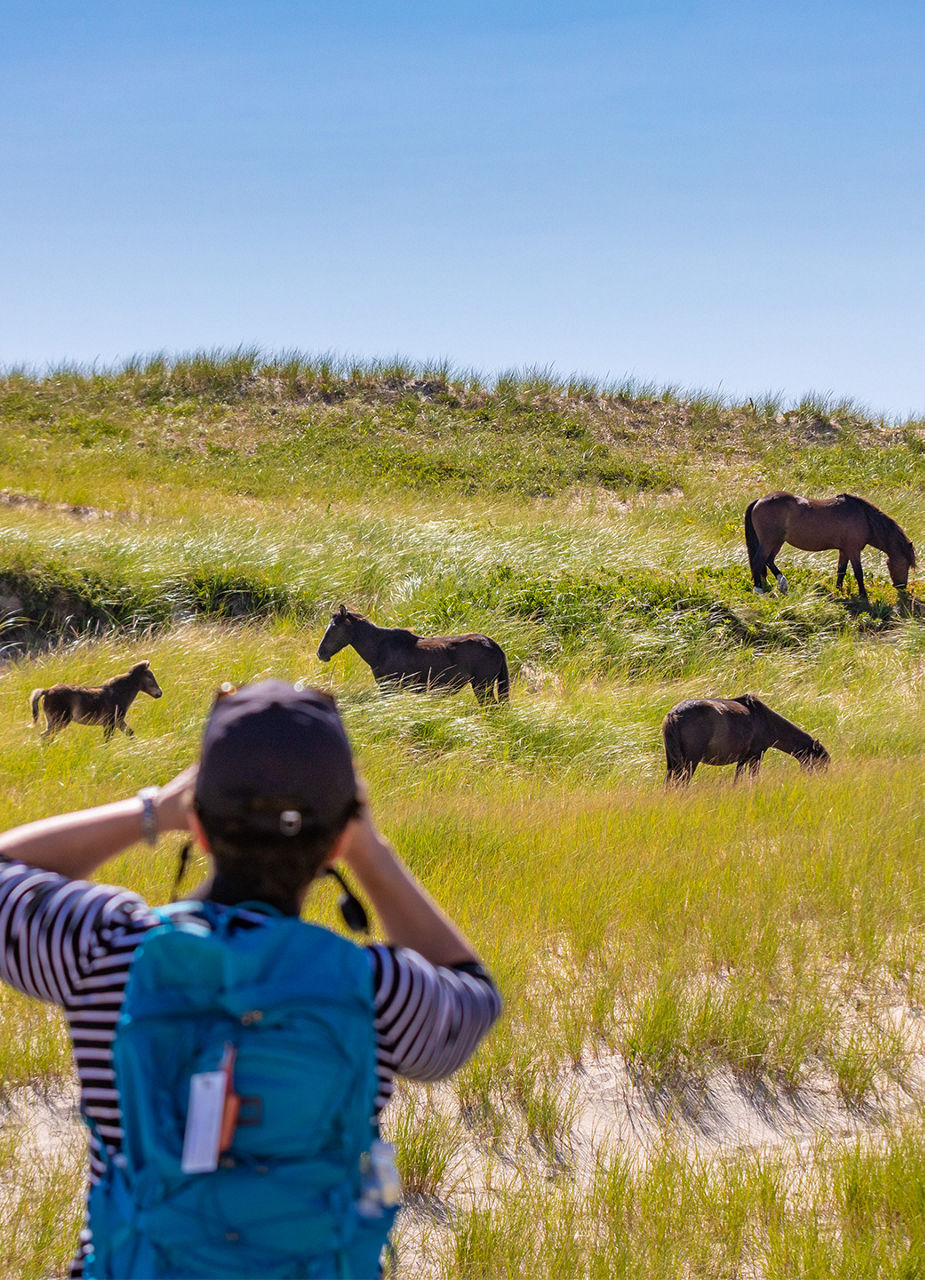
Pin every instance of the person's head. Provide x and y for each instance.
(275, 787)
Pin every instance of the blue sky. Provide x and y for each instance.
(715, 195)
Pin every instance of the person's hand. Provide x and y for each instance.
(174, 801)
(408, 915)
(360, 842)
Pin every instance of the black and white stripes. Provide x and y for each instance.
(72, 943)
(428, 1020)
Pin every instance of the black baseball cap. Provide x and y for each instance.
(275, 759)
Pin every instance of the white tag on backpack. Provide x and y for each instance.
(204, 1121)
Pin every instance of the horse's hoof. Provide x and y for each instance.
(760, 591)
(782, 585)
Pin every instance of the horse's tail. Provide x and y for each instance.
(675, 758)
(756, 560)
(504, 681)
(35, 697)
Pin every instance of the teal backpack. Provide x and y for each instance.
(294, 1191)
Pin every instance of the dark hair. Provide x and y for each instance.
(270, 866)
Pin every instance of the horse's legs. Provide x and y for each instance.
(859, 575)
(679, 773)
(842, 566)
(129, 732)
(55, 723)
(751, 764)
(483, 692)
(769, 560)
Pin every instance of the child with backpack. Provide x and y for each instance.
(233, 1059)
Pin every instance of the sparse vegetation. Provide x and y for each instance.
(208, 513)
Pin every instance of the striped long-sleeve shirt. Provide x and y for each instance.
(72, 943)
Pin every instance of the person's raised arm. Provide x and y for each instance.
(408, 914)
(75, 844)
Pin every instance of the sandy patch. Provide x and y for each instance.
(44, 1122)
(725, 1113)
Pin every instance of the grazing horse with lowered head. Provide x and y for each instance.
(105, 705)
(399, 657)
(845, 522)
(732, 731)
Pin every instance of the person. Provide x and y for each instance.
(275, 802)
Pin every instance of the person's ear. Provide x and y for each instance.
(339, 846)
(198, 831)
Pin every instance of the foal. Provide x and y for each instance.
(105, 705)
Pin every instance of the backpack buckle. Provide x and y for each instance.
(250, 1112)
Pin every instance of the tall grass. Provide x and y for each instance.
(855, 1212)
(728, 925)
(206, 512)
(41, 1197)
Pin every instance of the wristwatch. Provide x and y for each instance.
(147, 796)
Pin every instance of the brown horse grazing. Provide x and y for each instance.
(820, 524)
(397, 656)
(105, 705)
(732, 731)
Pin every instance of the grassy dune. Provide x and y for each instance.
(763, 941)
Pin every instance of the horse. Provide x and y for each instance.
(105, 704)
(732, 731)
(399, 657)
(845, 522)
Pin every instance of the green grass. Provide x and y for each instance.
(853, 1212)
(771, 933)
(426, 1144)
(41, 1201)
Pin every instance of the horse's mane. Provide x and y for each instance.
(750, 700)
(885, 533)
(132, 673)
(355, 616)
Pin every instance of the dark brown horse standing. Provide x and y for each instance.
(732, 731)
(846, 523)
(105, 704)
(399, 657)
